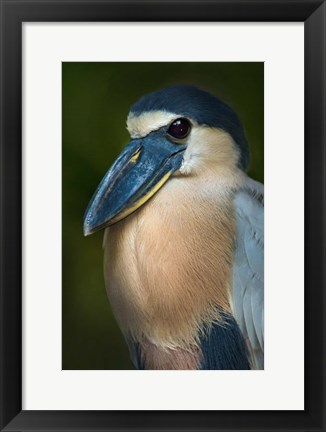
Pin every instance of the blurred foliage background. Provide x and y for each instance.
(96, 98)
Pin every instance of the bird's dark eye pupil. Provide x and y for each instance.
(180, 128)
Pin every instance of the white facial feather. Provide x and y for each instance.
(141, 125)
(209, 149)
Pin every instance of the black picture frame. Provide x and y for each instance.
(13, 14)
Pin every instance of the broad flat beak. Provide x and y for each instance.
(138, 173)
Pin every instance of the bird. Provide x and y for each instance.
(184, 236)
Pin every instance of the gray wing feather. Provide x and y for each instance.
(248, 269)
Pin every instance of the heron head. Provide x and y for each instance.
(179, 130)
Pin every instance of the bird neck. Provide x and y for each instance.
(168, 266)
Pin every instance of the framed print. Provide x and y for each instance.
(70, 74)
(94, 352)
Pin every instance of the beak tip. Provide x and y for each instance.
(87, 228)
(91, 225)
(87, 231)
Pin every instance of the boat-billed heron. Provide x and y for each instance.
(183, 242)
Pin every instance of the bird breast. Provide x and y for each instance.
(168, 266)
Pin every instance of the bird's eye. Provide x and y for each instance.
(180, 128)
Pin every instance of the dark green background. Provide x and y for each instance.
(96, 98)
